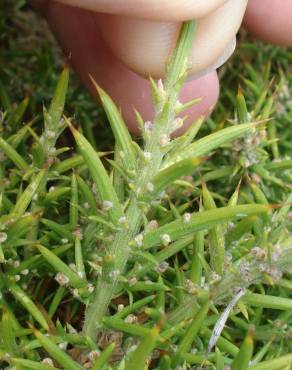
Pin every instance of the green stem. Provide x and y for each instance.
(120, 250)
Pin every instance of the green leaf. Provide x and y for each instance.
(99, 174)
(54, 195)
(7, 333)
(28, 304)
(26, 197)
(179, 59)
(268, 301)
(243, 358)
(216, 236)
(68, 164)
(12, 154)
(86, 193)
(164, 254)
(120, 130)
(21, 363)
(103, 357)
(56, 353)
(242, 111)
(21, 226)
(121, 325)
(201, 221)
(73, 211)
(193, 330)
(278, 363)
(62, 230)
(133, 307)
(213, 141)
(17, 115)
(60, 266)
(139, 357)
(55, 111)
(168, 175)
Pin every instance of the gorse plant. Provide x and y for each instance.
(129, 264)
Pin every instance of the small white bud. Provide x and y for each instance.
(72, 266)
(191, 286)
(122, 220)
(256, 178)
(152, 225)
(120, 307)
(63, 345)
(71, 329)
(16, 263)
(177, 123)
(139, 240)
(17, 277)
(50, 134)
(162, 267)
(3, 237)
(25, 272)
(244, 270)
(148, 126)
(94, 189)
(75, 292)
(214, 276)
(132, 281)
(90, 288)
(86, 205)
(187, 217)
(259, 253)
(51, 188)
(150, 187)
(163, 140)
(114, 274)
(131, 319)
(78, 233)
(160, 86)
(165, 239)
(62, 279)
(52, 150)
(64, 241)
(48, 361)
(147, 156)
(107, 205)
(93, 355)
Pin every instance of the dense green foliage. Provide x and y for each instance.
(137, 257)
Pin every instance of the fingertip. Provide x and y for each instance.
(39, 5)
(145, 46)
(270, 21)
(90, 56)
(162, 10)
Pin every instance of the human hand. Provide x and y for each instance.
(118, 41)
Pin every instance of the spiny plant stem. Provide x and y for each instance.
(164, 117)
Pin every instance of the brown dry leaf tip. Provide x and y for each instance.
(277, 206)
(71, 127)
(239, 184)
(52, 328)
(95, 84)
(68, 61)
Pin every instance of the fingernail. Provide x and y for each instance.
(219, 62)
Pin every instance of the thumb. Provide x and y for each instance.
(143, 33)
(145, 45)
